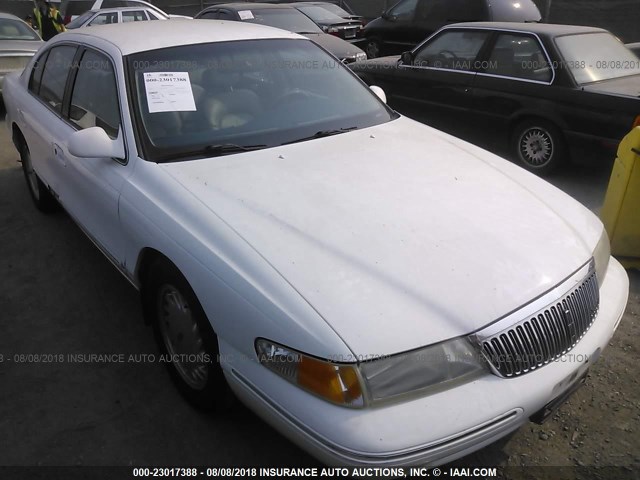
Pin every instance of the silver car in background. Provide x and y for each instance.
(18, 43)
(116, 15)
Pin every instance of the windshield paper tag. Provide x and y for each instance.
(246, 15)
(169, 92)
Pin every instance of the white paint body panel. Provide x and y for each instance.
(370, 242)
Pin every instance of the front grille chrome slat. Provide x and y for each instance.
(545, 336)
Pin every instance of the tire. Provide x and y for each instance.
(373, 48)
(538, 146)
(185, 338)
(40, 194)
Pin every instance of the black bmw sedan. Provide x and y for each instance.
(548, 92)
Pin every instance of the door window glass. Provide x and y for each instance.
(404, 10)
(519, 56)
(94, 101)
(54, 76)
(456, 50)
(105, 19)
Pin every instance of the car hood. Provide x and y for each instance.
(20, 47)
(629, 86)
(340, 48)
(398, 235)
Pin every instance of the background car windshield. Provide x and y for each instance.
(15, 30)
(593, 57)
(253, 94)
(287, 19)
(79, 21)
(320, 14)
(336, 10)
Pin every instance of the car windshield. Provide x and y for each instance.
(285, 18)
(79, 21)
(592, 57)
(336, 10)
(16, 30)
(214, 99)
(319, 14)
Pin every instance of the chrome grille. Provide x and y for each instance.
(546, 335)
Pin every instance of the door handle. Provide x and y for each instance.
(59, 153)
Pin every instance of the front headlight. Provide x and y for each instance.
(419, 372)
(422, 371)
(601, 256)
(338, 383)
(361, 57)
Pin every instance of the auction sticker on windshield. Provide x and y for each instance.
(169, 92)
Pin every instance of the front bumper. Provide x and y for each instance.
(430, 430)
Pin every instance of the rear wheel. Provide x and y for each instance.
(538, 146)
(373, 48)
(188, 344)
(40, 194)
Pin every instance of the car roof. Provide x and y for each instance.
(9, 16)
(544, 29)
(251, 6)
(133, 37)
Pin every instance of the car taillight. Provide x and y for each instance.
(636, 122)
(67, 19)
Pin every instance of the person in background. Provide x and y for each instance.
(29, 20)
(48, 20)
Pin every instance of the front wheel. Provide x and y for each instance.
(187, 343)
(538, 146)
(373, 49)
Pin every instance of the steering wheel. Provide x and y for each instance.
(448, 54)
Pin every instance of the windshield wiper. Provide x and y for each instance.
(215, 150)
(322, 134)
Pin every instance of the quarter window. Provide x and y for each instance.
(54, 76)
(519, 56)
(36, 74)
(455, 50)
(94, 101)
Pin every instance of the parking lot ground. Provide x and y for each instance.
(60, 296)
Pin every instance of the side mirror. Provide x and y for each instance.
(407, 58)
(379, 93)
(95, 143)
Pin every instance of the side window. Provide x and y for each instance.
(456, 50)
(54, 76)
(152, 16)
(36, 74)
(225, 15)
(469, 11)
(105, 18)
(519, 56)
(94, 100)
(434, 11)
(404, 10)
(133, 16)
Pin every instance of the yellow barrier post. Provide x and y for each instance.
(621, 210)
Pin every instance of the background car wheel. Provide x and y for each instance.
(185, 337)
(40, 194)
(373, 49)
(538, 146)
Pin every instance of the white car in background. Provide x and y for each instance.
(71, 9)
(18, 43)
(115, 15)
(380, 292)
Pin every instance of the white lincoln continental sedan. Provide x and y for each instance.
(382, 293)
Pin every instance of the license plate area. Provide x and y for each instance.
(550, 408)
